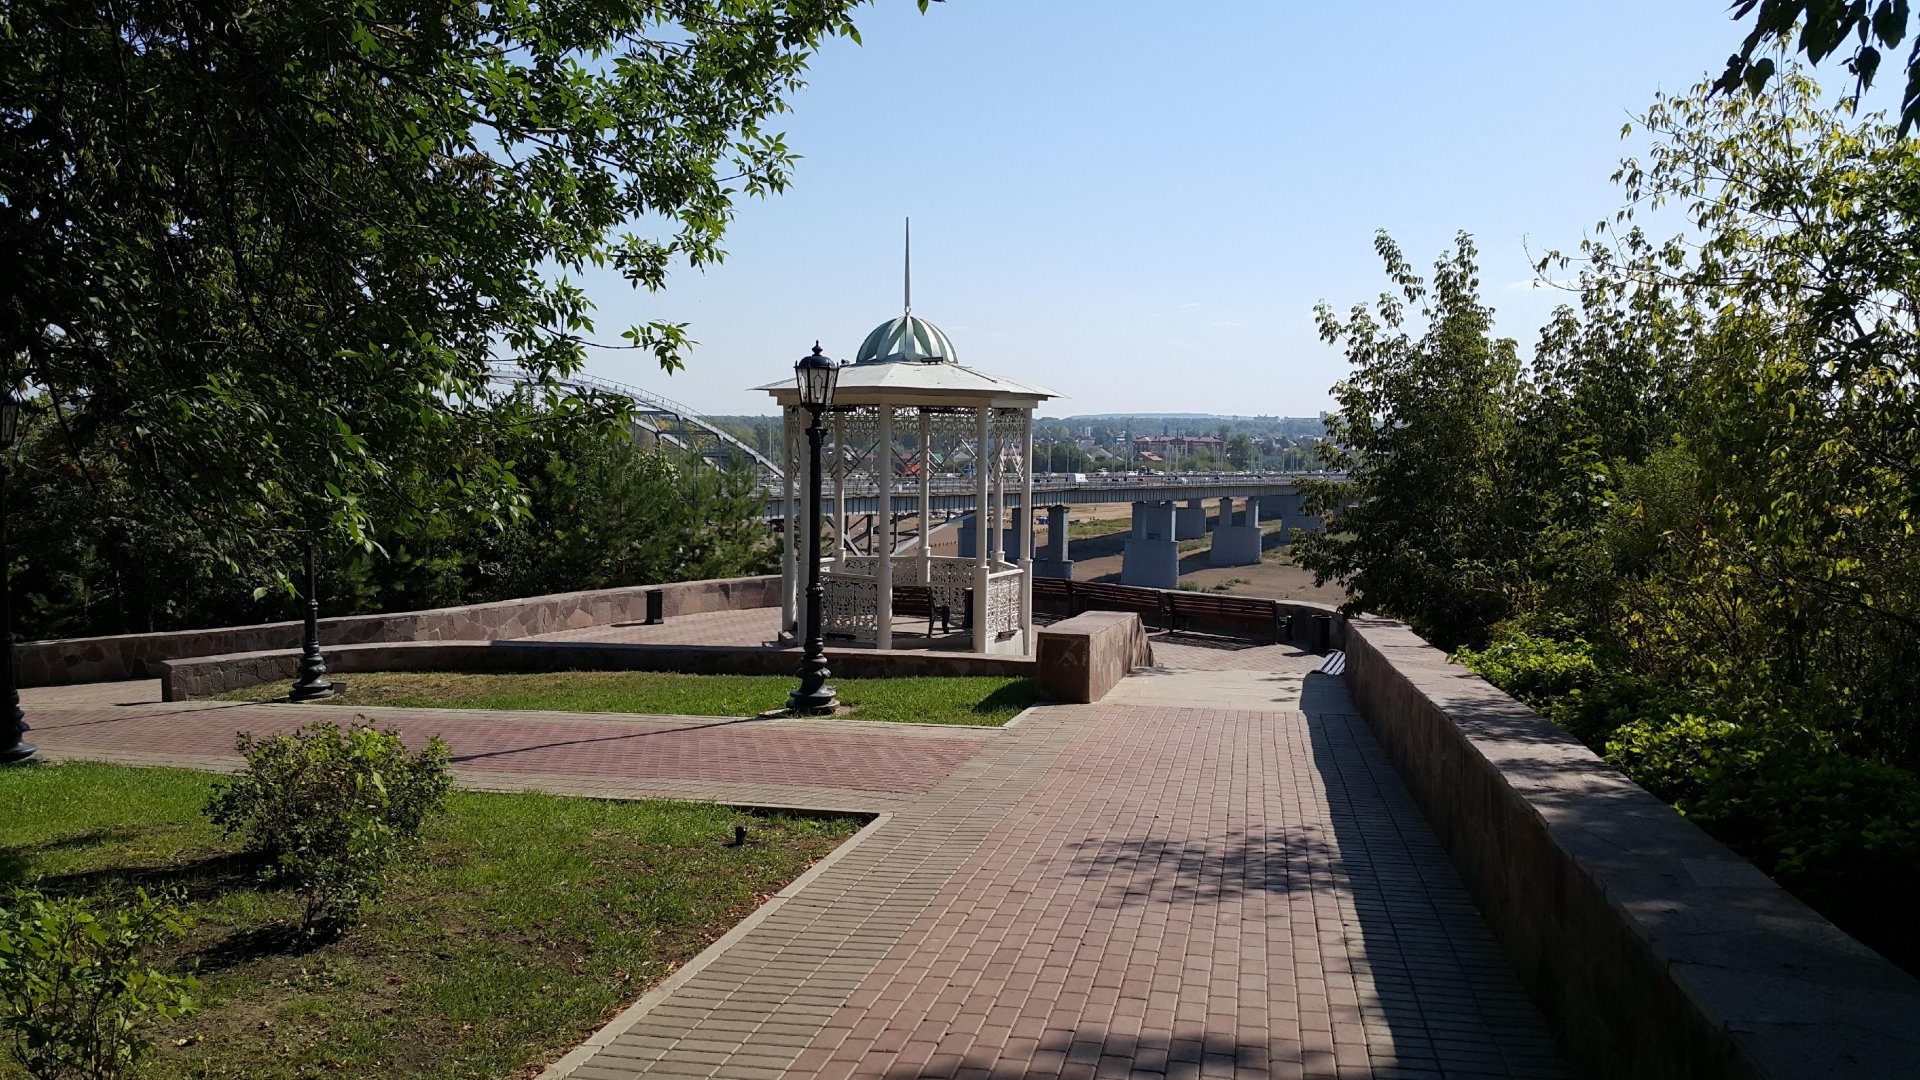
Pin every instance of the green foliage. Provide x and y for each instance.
(288, 313)
(1424, 526)
(1677, 758)
(1686, 530)
(1819, 28)
(1536, 669)
(93, 556)
(1842, 833)
(334, 811)
(77, 987)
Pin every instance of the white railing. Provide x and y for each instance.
(850, 606)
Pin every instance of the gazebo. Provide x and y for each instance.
(907, 422)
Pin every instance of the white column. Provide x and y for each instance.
(790, 510)
(839, 490)
(998, 549)
(981, 567)
(926, 498)
(1026, 536)
(883, 479)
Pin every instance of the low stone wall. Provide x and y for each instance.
(1652, 949)
(204, 676)
(1082, 658)
(137, 656)
(1060, 598)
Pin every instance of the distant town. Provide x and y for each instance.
(1156, 442)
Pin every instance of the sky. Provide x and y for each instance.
(1138, 205)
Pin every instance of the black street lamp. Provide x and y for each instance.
(816, 376)
(13, 721)
(312, 684)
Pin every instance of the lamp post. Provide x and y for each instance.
(13, 722)
(312, 684)
(816, 376)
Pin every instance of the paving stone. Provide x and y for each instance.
(1194, 878)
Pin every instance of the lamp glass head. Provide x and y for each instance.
(816, 375)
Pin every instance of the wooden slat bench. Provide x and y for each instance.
(1053, 596)
(1149, 604)
(1253, 612)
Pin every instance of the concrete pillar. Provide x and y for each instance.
(1190, 521)
(1152, 556)
(1013, 539)
(1052, 561)
(1235, 545)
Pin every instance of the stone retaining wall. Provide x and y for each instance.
(137, 656)
(204, 676)
(1653, 950)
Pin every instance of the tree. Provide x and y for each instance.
(284, 310)
(1419, 529)
(1822, 28)
(1240, 451)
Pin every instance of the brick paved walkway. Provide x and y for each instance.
(845, 765)
(1133, 888)
(1212, 873)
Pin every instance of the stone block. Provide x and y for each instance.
(1082, 658)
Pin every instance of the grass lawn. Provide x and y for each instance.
(977, 700)
(527, 922)
(1092, 527)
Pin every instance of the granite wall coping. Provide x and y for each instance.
(135, 656)
(188, 678)
(1653, 949)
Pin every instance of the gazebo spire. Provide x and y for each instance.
(909, 267)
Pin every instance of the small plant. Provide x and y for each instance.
(335, 811)
(76, 987)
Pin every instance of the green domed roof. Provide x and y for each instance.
(908, 338)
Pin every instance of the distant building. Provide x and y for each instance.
(1178, 444)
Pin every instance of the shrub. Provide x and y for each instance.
(1841, 833)
(1679, 758)
(333, 811)
(1536, 669)
(1564, 679)
(76, 987)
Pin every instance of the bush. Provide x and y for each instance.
(1536, 669)
(76, 986)
(1565, 681)
(334, 811)
(1841, 833)
(1677, 759)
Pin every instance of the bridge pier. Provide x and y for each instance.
(1052, 561)
(1012, 537)
(1190, 521)
(1152, 555)
(1236, 540)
